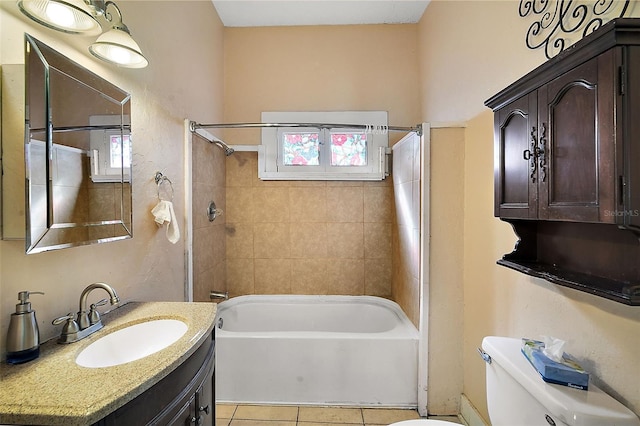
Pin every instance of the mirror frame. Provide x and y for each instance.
(47, 227)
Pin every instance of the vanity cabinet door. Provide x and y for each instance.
(174, 400)
(515, 167)
(577, 143)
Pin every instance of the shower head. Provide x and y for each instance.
(227, 149)
(220, 143)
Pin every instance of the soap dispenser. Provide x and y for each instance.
(23, 338)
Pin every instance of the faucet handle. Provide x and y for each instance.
(94, 316)
(70, 325)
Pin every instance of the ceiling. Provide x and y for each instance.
(262, 13)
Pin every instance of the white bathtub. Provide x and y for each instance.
(315, 350)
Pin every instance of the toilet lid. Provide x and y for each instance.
(425, 422)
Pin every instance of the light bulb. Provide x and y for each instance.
(60, 15)
(119, 55)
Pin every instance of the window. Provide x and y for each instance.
(110, 150)
(312, 153)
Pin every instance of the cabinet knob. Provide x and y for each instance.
(206, 409)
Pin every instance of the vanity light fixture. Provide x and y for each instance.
(69, 16)
(115, 46)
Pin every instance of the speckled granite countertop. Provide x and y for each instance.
(54, 390)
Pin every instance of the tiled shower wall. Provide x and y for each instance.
(407, 182)
(306, 237)
(209, 252)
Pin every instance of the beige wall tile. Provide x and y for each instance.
(345, 240)
(202, 285)
(271, 204)
(203, 252)
(241, 169)
(378, 203)
(377, 240)
(271, 241)
(309, 276)
(240, 275)
(272, 276)
(239, 240)
(239, 204)
(308, 203)
(345, 276)
(345, 203)
(309, 240)
(378, 276)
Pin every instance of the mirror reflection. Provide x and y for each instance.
(77, 152)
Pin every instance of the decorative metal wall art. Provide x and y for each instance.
(560, 23)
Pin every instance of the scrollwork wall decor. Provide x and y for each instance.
(560, 23)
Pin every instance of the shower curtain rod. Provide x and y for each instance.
(368, 127)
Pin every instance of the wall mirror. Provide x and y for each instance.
(77, 154)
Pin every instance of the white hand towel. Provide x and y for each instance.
(163, 212)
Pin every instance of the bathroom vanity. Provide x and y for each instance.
(172, 386)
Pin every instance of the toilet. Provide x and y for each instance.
(517, 395)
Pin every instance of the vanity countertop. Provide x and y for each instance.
(54, 390)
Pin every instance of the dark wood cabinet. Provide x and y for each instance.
(567, 165)
(184, 397)
(555, 148)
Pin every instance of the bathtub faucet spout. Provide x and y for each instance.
(218, 295)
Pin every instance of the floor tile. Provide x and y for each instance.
(225, 411)
(330, 415)
(266, 412)
(326, 424)
(379, 416)
(222, 421)
(453, 419)
(243, 422)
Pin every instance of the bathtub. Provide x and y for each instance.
(315, 350)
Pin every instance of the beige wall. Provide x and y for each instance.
(184, 79)
(469, 50)
(324, 68)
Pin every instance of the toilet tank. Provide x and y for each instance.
(517, 395)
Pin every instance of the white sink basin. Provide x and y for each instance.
(131, 343)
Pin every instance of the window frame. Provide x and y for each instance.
(270, 162)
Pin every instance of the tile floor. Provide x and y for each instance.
(264, 415)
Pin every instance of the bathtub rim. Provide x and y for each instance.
(405, 329)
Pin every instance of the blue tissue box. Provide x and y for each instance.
(566, 373)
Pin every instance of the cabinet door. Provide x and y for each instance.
(629, 213)
(576, 137)
(205, 406)
(515, 167)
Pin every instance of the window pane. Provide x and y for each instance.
(116, 150)
(348, 149)
(300, 149)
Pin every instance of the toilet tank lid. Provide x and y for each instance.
(573, 406)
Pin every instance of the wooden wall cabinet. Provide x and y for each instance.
(567, 165)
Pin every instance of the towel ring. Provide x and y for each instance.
(160, 179)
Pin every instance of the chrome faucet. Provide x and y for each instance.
(218, 295)
(83, 319)
(86, 322)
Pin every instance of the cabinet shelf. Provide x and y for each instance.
(619, 291)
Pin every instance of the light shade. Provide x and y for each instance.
(117, 47)
(69, 16)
